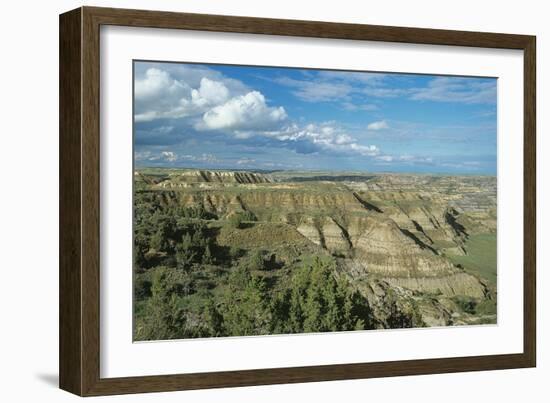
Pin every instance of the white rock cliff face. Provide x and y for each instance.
(382, 250)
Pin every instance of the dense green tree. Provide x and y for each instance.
(163, 318)
(403, 312)
(245, 308)
(213, 319)
(236, 220)
(196, 212)
(207, 257)
(234, 252)
(186, 252)
(256, 260)
(142, 287)
(141, 247)
(317, 301)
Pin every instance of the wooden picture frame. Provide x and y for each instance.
(79, 346)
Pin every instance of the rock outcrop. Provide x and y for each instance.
(189, 177)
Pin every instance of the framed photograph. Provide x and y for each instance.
(249, 201)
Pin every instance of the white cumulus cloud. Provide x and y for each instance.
(169, 156)
(378, 125)
(244, 112)
(158, 95)
(323, 137)
(214, 104)
(210, 92)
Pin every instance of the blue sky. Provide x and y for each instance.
(240, 117)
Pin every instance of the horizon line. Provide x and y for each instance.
(317, 170)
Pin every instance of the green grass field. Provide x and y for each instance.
(482, 257)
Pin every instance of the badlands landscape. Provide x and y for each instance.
(234, 253)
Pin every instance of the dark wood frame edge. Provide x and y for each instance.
(79, 201)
